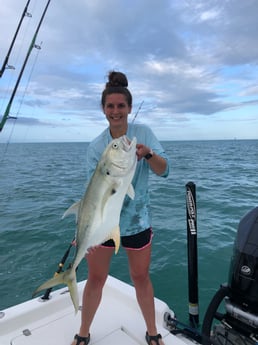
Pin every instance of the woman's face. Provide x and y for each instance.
(116, 110)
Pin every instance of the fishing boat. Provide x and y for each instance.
(231, 317)
(52, 321)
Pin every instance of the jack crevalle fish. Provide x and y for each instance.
(98, 213)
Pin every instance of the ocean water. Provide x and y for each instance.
(38, 182)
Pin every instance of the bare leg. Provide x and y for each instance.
(139, 262)
(98, 268)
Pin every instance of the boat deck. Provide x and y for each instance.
(118, 319)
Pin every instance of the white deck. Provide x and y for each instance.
(118, 320)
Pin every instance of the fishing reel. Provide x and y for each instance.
(238, 325)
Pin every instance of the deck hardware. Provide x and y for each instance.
(26, 332)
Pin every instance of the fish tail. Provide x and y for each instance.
(71, 282)
(68, 278)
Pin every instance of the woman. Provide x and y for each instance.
(135, 223)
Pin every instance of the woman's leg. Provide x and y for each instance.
(139, 263)
(98, 267)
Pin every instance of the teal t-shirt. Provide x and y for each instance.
(135, 214)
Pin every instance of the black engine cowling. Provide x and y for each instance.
(239, 325)
(243, 274)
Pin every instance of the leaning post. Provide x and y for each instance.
(191, 219)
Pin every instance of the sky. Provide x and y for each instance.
(192, 67)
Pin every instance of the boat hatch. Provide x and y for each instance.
(58, 328)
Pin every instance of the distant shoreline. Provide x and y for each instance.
(85, 142)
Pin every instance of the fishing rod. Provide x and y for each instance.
(138, 110)
(59, 270)
(25, 13)
(32, 45)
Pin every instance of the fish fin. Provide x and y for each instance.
(68, 278)
(74, 209)
(58, 279)
(131, 192)
(115, 236)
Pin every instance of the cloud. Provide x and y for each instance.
(183, 58)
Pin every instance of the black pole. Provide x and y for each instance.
(32, 45)
(191, 217)
(5, 63)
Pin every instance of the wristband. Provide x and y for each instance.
(149, 155)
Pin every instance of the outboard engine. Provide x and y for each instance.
(243, 275)
(239, 324)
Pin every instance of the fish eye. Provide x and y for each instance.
(115, 146)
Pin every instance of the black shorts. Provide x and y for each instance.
(137, 241)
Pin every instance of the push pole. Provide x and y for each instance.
(191, 218)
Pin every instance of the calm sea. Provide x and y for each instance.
(38, 182)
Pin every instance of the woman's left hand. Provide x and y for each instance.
(157, 163)
(142, 151)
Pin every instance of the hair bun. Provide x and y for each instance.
(117, 79)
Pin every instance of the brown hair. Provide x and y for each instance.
(117, 83)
